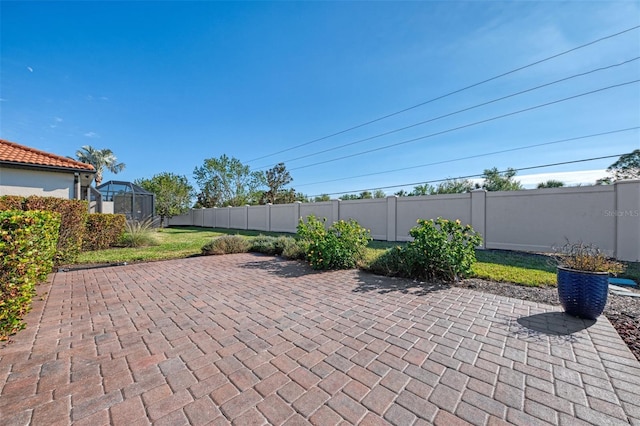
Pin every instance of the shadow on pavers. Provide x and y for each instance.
(555, 323)
(382, 285)
(281, 267)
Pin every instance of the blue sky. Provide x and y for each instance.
(167, 84)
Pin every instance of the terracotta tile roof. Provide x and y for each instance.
(13, 153)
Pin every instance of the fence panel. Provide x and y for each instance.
(370, 214)
(319, 210)
(221, 217)
(410, 209)
(284, 217)
(538, 220)
(258, 218)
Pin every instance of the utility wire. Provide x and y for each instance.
(466, 125)
(457, 112)
(473, 156)
(448, 94)
(470, 176)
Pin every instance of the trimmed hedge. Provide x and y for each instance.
(73, 216)
(27, 248)
(12, 202)
(103, 230)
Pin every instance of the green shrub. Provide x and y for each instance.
(27, 248)
(339, 247)
(73, 216)
(292, 248)
(275, 246)
(227, 244)
(394, 262)
(103, 231)
(138, 234)
(441, 249)
(265, 244)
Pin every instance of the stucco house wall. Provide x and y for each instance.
(24, 182)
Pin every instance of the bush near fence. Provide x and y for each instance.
(103, 230)
(28, 243)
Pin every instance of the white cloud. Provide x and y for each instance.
(583, 177)
(56, 121)
(30, 69)
(97, 98)
(92, 135)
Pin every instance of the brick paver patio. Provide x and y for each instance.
(247, 339)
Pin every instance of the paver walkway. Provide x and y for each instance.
(247, 339)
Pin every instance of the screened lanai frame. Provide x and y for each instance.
(129, 199)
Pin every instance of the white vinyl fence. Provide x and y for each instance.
(529, 220)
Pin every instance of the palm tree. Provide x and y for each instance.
(99, 159)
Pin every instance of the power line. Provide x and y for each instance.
(457, 112)
(473, 156)
(466, 125)
(472, 176)
(448, 94)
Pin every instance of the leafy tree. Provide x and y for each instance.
(172, 194)
(350, 197)
(285, 196)
(494, 181)
(100, 159)
(626, 167)
(226, 181)
(365, 195)
(453, 186)
(401, 193)
(276, 178)
(322, 197)
(551, 183)
(379, 193)
(424, 189)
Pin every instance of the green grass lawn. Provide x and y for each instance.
(495, 265)
(173, 243)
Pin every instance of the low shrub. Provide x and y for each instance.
(276, 246)
(28, 243)
(339, 247)
(265, 244)
(138, 234)
(226, 244)
(293, 249)
(103, 231)
(441, 249)
(393, 262)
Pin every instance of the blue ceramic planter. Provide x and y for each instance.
(583, 294)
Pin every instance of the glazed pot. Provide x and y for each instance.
(583, 294)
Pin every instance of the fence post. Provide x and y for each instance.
(335, 211)
(627, 217)
(479, 214)
(298, 214)
(392, 218)
(268, 216)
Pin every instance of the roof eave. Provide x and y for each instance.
(45, 167)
